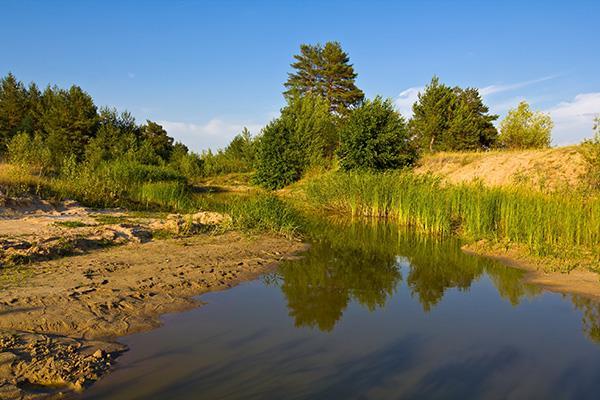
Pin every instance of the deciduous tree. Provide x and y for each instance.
(302, 136)
(376, 137)
(524, 128)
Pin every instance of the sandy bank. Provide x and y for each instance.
(59, 318)
(538, 271)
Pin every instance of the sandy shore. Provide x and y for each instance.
(60, 318)
(578, 281)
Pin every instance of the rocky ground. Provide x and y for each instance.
(60, 316)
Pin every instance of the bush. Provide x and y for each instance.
(376, 137)
(590, 150)
(221, 163)
(31, 153)
(280, 156)
(186, 163)
(525, 129)
(118, 183)
(238, 156)
(304, 135)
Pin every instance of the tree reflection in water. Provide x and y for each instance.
(361, 262)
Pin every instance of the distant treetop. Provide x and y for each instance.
(327, 72)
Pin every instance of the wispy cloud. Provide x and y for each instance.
(493, 89)
(216, 133)
(574, 119)
(406, 99)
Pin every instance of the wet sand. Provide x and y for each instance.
(541, 272)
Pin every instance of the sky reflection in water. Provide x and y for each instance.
(370, 312)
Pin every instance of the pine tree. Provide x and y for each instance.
(69, 120)
(158, 139)
(117, 135)
(471, 127)
(327, 72)
(32, 120)
(432, 114)
(446, 119)
(13, 108)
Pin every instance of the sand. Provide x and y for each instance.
(61, 316)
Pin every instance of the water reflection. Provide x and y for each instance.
(591, 316)
(370, 312)
(362, 262)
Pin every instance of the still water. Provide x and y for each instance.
(370, 312)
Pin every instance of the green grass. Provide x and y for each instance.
(548, 223)
(71, 224)
(112, 184)
(106, 219)
(259, 211)
(151, 190)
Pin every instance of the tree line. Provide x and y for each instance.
(327, 119)
(46, 129)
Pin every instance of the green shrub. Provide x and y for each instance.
(280, 156)
(303, 136)
(238, 156)
(221, 163)
(119, 183)
(525, 129)
(32, 153)
(376, 137)
(590, 150)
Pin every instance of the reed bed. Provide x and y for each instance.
(548, 223)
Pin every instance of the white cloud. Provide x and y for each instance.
(573, 120)
(406, 99)
(493, 89)
(214, 134)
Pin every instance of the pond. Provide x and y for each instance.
(371, 311)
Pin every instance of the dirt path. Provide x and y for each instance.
(59, 318)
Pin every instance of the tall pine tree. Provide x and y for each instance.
(69, 120)
(325, 71)
(432, 114)
(13, 108)
(471, 126)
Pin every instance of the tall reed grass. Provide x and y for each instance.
(259, 212)
(548, 223)
(116, 183)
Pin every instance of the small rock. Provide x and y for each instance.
(98, 354)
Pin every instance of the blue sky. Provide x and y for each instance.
(206, 68)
